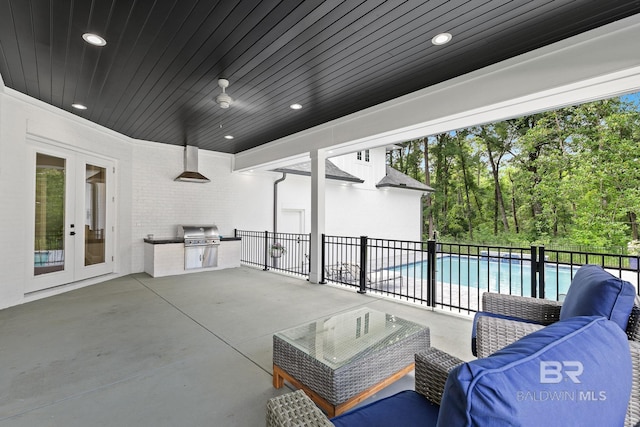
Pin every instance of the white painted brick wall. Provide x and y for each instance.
(12, 203)
(23, 123)
(149, 201)
(160, 204)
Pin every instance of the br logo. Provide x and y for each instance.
(553, 372)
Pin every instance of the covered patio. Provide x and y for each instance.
(116, 347)
(187, 350)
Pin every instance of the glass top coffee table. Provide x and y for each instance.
(341, 360)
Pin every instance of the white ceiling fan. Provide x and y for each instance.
(223, 100)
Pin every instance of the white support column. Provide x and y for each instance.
(317, 213)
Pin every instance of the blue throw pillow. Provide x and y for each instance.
(595, 292)
(573, 372)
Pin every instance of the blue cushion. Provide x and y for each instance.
(406, 408)
(595, 292)
(573, 372)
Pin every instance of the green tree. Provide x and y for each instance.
(570, 176)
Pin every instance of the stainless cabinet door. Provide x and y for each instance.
(210, 256)
(193, 256)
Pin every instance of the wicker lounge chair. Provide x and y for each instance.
(489, 391)
(507, 318)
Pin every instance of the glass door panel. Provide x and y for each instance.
(95, 214)
(73, 217)
(49, 241)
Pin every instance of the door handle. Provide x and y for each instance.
(72, 233)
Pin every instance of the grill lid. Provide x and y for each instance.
(198, 232)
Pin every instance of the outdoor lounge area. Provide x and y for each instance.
(108, 150)
(189, 350)
(540, 362)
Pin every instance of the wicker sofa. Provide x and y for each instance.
(498, 390)
(507, 318)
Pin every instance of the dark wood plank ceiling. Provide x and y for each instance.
(156, 79)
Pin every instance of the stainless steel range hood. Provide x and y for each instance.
(191, 173)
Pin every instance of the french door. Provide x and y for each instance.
(72, 217)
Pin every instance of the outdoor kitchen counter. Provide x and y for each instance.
(168, 240)
(165, 256)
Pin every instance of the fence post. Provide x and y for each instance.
(322, 259)
(540, 266)
(431, 272)
(266, 251)
(534, 271)
(363, 265)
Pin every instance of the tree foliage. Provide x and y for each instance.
(568, 176)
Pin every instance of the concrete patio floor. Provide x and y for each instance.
(192, 350)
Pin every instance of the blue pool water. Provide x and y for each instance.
(505, 276)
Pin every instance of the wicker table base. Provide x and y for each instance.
(341, 362)
(280, 376)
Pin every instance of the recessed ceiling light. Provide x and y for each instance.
(228, 136)
(79, 106)
(94, 39)
(442, 38)
(295, 106)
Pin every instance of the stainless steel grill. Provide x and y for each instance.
(200, 245)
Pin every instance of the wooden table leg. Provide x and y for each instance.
(278, 379)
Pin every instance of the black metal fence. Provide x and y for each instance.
(286, 252)
(446, 275)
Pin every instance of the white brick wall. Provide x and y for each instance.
(160, 204)
(149, 201)
(25, 123)
(12, 201)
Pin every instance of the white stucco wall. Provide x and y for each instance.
(354, 209)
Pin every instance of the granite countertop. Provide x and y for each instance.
(165, 240)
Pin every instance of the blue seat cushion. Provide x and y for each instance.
(595, 292)
(573, 372)
(406, 408)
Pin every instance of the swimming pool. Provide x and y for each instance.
(506, 276)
